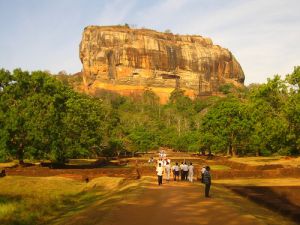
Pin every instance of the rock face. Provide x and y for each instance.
(128, 61)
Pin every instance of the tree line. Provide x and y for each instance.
(42, 117)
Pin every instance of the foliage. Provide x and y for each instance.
(42, 117)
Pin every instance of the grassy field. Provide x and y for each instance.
(220, 167)
(259, 161)
(40, 200)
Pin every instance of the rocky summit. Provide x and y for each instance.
(128, 61)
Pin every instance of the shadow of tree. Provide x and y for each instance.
(272, 199)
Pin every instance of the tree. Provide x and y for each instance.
(225, 126)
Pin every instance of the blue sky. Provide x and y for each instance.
(264, 35)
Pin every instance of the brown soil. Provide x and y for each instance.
(78, 174)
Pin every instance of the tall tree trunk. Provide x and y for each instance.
(257, 153)
(20, 154)
(234, 152)
(229, 152)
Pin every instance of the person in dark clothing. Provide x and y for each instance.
(3, 173)
(207, 181)
(176, 169)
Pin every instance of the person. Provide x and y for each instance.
(169, 161)
(191, 172)
(159, 161)
(150, 161)
(202, 173)
(168, 171)
(160, 172)
(181, 171)
(207, 181)
(185, 169)
(175, 170)
(3, 173)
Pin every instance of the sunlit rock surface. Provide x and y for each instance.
(128, 61)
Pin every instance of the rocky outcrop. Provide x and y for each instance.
(128, 60)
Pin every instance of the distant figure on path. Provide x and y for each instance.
(191, 172)
(175, 170)
(207, 181)
(151, 160)
(185, 169)
(3, 173)
(160, 171)
(181, 171)
(202, 173)
(168, 171)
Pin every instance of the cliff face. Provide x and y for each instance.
(128, 60)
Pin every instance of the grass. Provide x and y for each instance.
(220, 167)
(257, 161)
(38, 200)
(8, 164)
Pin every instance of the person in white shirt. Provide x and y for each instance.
(169, 161)
(191, 172)
(185, 169)
(168, 171)
(175, 170)
(181, 171)
(164, 162)
(160, 171)
(159, 161)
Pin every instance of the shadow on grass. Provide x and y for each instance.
(6, 199)
(268, 197)
(91, 206)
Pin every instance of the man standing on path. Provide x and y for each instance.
(185, 169)
(207, 181)
(160, 172)
(191, 172)
(175, 170)
(181, 171)
(168, 171)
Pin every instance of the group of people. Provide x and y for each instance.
(184, 171)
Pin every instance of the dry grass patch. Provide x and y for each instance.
(270, 160)
(36, 200)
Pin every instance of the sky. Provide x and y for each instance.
(264, 35)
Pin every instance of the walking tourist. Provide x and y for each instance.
(160, 172)
(3, 173)
(207, 181)
(191, 172)
(181, 171)
(168, 171)
(175, 170)
(185, 169)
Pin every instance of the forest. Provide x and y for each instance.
(43, 117)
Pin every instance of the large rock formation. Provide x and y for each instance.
(128, 60)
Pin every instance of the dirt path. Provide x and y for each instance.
(177, 203)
